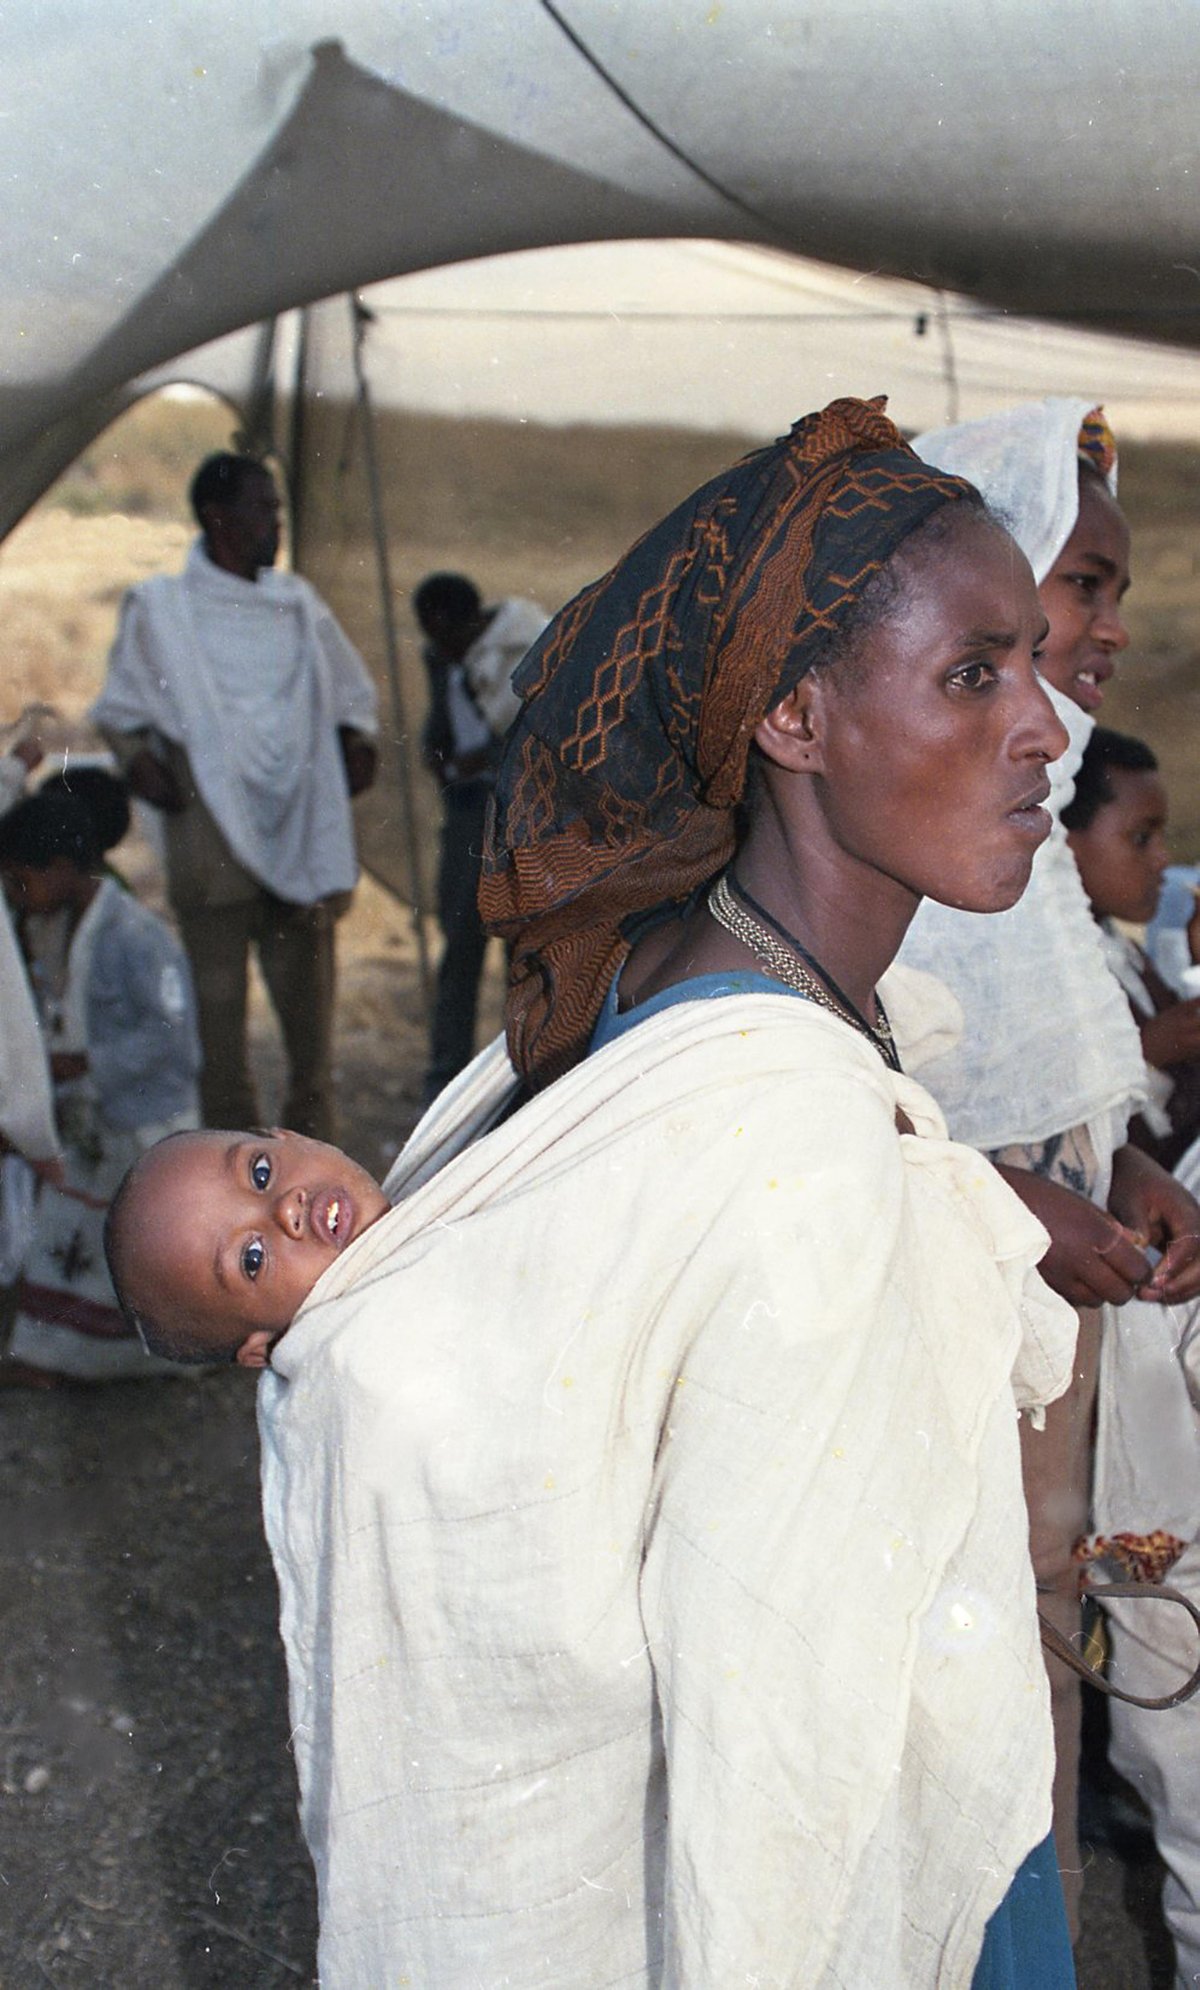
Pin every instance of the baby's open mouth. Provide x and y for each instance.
(333, 1218)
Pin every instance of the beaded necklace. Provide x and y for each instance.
(792, 963)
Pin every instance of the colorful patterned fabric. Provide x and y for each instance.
(617, 794)
(1131, 1557)
(1097, 444)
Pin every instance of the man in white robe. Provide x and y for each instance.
(239, 709)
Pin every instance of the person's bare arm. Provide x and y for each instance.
(151, 780)
(361, 757)
(1173, 1037)
(1093, 1260)
(1155, 1206)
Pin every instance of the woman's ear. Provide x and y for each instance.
(792, 734)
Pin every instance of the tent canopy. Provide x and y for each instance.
(173, 178)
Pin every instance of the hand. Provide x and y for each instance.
(1160, 1209)
(1174, 1036)
(1193, 928)
(152, 781)
(1093, 1260)
(361, 758)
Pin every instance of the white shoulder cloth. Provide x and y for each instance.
(252, 679)
(645, 1498)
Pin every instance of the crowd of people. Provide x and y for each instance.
(674, 1467)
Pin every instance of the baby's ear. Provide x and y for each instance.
(255, 1350)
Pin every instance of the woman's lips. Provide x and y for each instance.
(1090, 683)
(1029, 814)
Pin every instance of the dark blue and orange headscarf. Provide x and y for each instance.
(623, 770)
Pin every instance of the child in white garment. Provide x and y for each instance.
(214, 1240)
(117, 1019)
(1116, 827)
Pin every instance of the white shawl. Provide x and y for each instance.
(645, 1498)
(252, 679)
(1049, 1042)
(26, 1095)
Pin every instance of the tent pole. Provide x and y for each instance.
(359, 320)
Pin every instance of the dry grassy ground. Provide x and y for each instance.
(147, 1832)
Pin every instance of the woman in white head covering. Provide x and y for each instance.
(1050, 1067)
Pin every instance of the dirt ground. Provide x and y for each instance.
(147, 1802)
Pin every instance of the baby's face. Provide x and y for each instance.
(235, 1229)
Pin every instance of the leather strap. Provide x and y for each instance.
(1158, 1592)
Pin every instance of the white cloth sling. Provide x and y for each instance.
(1049, 1042)
(645, 1499)
(252, 679)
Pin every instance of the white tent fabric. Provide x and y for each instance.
(719, 335)
(172, 176)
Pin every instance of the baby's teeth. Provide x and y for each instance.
(335, 1210)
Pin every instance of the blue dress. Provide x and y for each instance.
(1026, 1945)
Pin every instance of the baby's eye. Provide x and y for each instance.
(254, 1256)
(260, 1171)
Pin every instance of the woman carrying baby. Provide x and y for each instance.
(645, 1485)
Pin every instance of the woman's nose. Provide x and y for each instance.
(1109, 626)
(1044, 736)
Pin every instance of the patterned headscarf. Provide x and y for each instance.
(617, 793)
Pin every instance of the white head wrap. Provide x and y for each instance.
(1049, 1043)
(1026, 463)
